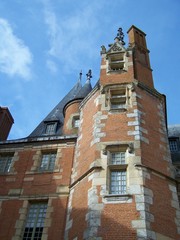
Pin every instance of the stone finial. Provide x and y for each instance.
(103, 49)
(89, 75)
(120, 36)
(80, 75)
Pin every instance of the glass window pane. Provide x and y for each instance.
(48, 162)
(5, 163)
(50, 128)
(173, 144)
(35, 222)
(118, 182)
(117, 158)
(76, 123)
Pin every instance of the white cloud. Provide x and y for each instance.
(15, 57)
(52, 66)
(70, 35)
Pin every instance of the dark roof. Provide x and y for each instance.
(174, 130)
(56, 115)
(85, 90)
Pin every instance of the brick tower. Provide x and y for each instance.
(122, 185)
(98, 166)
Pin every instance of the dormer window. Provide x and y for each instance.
(174, 144)
(51, 127)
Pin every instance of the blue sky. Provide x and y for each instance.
(45, 43)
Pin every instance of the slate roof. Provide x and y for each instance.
(56, 115)
(174, 130)
(84, 91)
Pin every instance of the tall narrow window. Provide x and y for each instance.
(118, 182)
(117, 171)
(5, 163)
(47, 162)
(35, 221)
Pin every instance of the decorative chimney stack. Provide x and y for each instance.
(6, 121)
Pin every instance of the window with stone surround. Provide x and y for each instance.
(117, 170)
(48, 160)
(75, 122)
(35, 221)
(116, 61)
(6, 162)
(119, 98)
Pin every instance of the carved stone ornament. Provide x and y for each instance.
(103, 49)
(116, 48)
(131, 148)
(104, 151)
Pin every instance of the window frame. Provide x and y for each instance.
(49, 159)
(121, 178)
(75, 120)
(52, 129)
(119, 99)
(175, 145)
(116, 61)
(35, 218)
(6, 167)
(121, 167)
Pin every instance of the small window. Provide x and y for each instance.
(116, 62)
(174, 144)
(50, 128)
(5, 163)
(76, 122)
(117, 172)
(35, 221)
(118, 99)
(117, 158)
(47, 162)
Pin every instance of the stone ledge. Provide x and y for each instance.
(117, 198)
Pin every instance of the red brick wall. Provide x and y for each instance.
(164, 213)
(87, 152)
(153, 153)
(58, 216)
(116, 222)
(35, 186)
(8, 216)
(79, 209)
(71, 109)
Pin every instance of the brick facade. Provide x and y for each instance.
(112, 176)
